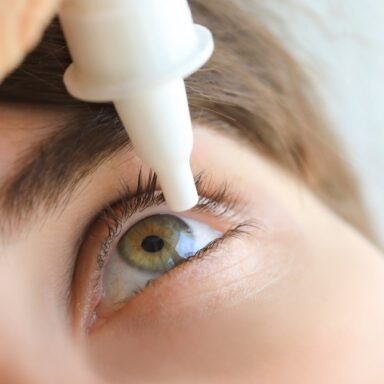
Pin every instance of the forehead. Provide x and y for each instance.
(22, 126)
(19, 122)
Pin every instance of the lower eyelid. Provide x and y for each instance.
(87, 281)
(173, 286)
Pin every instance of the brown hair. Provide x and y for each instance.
(251, 83)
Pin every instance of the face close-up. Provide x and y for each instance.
(275, 276)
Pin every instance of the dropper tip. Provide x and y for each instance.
(179, 188)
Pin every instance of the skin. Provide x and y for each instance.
(22, 23)
(296, 300)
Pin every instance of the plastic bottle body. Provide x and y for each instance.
(136, 53)
(165, 105)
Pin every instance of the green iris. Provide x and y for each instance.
(157, 243)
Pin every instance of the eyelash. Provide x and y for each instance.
(220, 203)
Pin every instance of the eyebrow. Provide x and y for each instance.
(49, 171)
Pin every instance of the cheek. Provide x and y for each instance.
(35, 344)
(205, 317)
(242, 312)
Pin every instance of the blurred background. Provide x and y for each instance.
(341, 44)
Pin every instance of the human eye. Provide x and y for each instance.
(136, 241)
(149, 248)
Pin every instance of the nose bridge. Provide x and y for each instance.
(34, 346)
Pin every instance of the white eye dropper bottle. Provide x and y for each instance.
(136, 54)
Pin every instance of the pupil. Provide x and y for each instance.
(152, 244)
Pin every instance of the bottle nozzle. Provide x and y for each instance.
(179, 188)
(159, 124)
(136, 53)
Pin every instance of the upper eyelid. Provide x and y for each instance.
(220, 203)
(217, 200)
